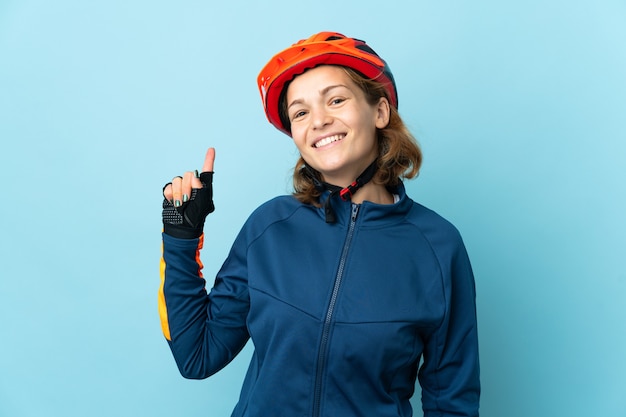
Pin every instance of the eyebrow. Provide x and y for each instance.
(323, 92)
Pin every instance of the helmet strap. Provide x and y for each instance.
(344, 193)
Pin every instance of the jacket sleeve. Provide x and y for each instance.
(450, 375)
(204, 331)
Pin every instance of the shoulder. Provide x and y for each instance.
(435, 228)
(444, 240)
(424, 218)
(276, 210)
(422, 215)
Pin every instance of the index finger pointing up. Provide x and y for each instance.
(209, 159)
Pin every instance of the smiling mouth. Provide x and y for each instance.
(328, 140)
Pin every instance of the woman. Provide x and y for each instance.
(347, 285)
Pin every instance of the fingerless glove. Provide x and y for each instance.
(187, 221)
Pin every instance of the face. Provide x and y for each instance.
(333, 125)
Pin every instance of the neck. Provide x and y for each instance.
(362, 188)
(373, 192)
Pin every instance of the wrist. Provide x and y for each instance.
(182, 232)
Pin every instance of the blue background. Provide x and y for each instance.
(520, 110)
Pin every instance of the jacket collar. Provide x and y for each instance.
(370, 214)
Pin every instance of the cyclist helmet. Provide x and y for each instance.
(324, 48)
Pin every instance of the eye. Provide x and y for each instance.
(298, 114)
(337, 100)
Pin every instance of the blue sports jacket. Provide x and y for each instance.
(343, 316)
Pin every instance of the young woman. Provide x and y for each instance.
(348, 289)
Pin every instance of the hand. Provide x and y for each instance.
(188, 200)
(179, 190)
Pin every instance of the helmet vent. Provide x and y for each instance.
(366, 48)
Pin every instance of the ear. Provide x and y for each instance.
(382, 113)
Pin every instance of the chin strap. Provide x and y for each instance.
(345, 193)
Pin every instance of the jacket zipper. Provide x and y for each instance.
(321, 358)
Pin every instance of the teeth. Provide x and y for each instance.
(328, 140)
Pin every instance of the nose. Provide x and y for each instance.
(320, 118)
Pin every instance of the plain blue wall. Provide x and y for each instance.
(520, 109)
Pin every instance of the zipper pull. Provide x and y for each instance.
(355, 211)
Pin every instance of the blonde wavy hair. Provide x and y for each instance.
(399, 155)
